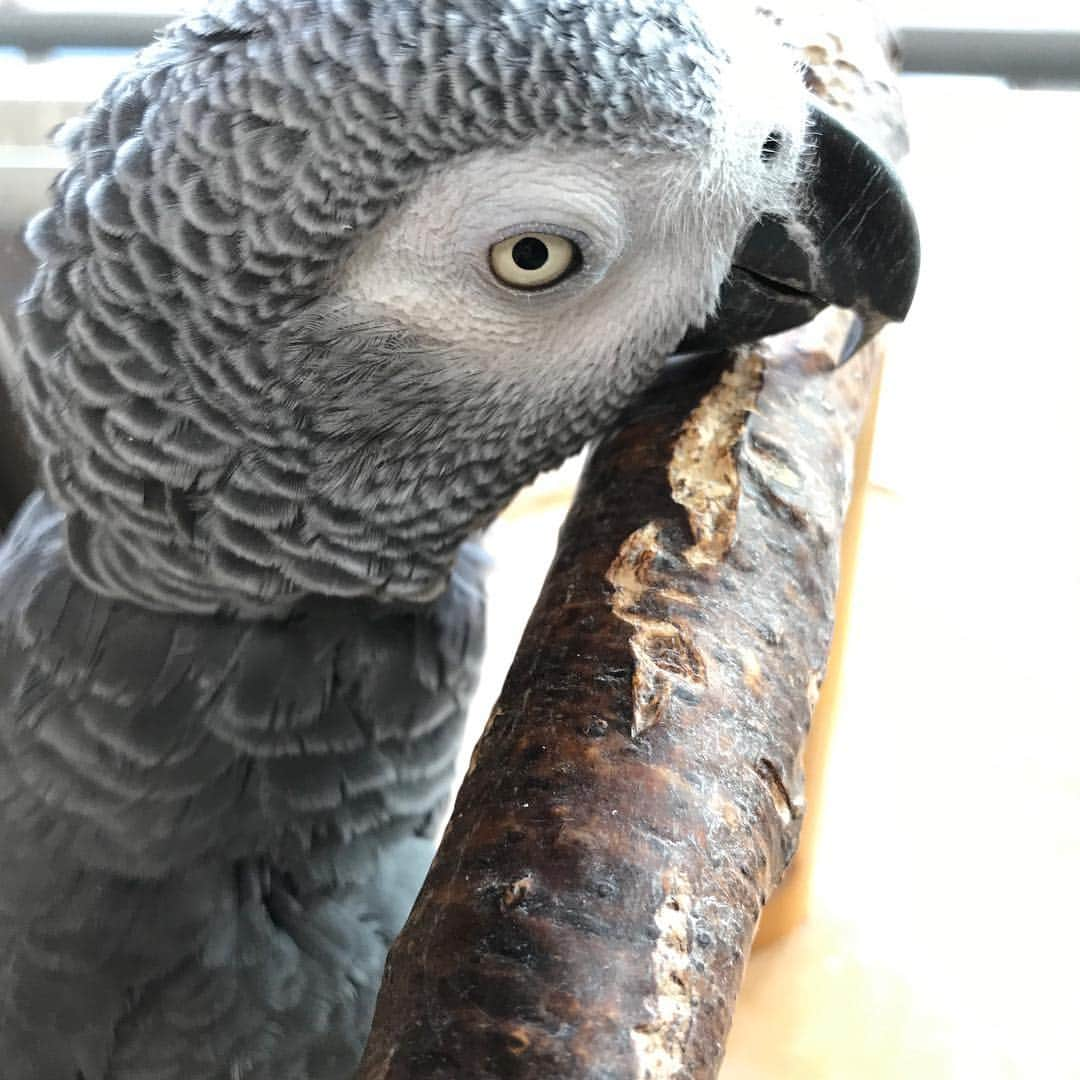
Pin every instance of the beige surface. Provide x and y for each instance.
(943, 941)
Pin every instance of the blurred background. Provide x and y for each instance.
(941, 939)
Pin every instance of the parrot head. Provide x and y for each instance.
(328, 280)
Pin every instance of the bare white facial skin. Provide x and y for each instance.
(652, 254)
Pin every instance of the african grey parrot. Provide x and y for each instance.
(325, 283)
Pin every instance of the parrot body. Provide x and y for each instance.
(212, 828)
(325, 283)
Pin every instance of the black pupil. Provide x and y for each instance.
(772, 145)
(530, 253)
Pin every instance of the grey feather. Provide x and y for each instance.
(209, 850)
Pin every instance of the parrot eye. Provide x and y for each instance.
(772, 146)
(534, 260)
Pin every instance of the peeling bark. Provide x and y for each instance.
(638, 791)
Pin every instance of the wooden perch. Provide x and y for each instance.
(638, 791)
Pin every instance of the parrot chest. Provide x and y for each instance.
(151, 741)
(216, 826)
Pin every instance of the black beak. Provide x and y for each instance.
(854, 244)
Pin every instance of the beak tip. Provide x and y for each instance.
(857, 337)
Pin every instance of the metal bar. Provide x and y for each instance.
(1019, 55)
(42, 31)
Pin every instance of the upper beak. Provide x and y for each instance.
(854, 244)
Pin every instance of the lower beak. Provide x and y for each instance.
(854, 244)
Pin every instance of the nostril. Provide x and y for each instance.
(772, 146)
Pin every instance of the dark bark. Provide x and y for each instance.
(638, 791)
